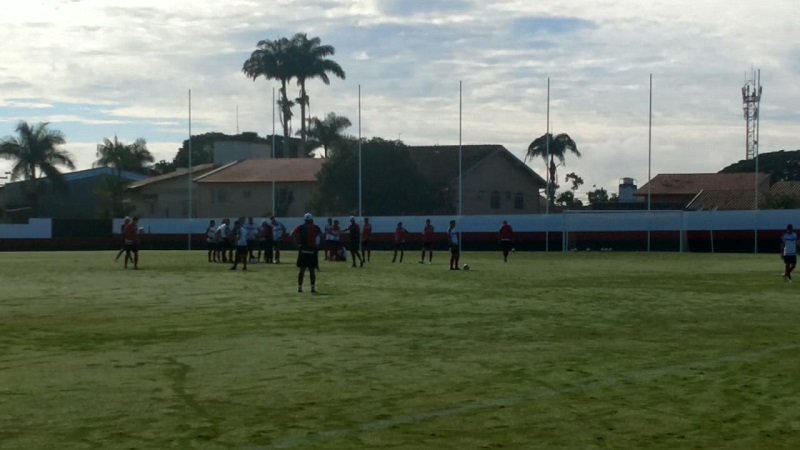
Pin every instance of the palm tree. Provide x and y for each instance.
(309, 60)
(557, 148)
(325, 133)
(121, 157)
(272, 60)
(131, 157)
(35, 152)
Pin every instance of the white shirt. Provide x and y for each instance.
(211, 234)
(242, 237)
(222, 231)
(790, 244)
(250, 230)
(453, 235)
(277, 231)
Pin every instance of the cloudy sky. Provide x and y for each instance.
(99, 68)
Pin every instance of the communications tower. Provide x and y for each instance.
(751, 101)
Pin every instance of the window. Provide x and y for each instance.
(246, 195)
(494, 202)
(519, 201)
(508, 196)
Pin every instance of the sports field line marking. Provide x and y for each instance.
(638, 375)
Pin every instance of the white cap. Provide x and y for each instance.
(307, 217)
(127, 219)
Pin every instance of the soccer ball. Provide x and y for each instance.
(466, 266)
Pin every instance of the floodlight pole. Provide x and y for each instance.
(547, 173)
(649, 160)
(460, 163)
(274, 213)
(360, 177)
(189, 175)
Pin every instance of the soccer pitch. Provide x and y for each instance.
(557, 351)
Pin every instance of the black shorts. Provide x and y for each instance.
(251, 243)
(211, 245)
(454, 249)
(399, 245)
(790, 259)
(366, 243)
(307, 259)
(331, 245)
(264, 245)
(427, 247)
(132, 247)
(506, 244)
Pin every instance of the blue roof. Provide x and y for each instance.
(99, 171)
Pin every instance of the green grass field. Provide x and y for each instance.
(559, 351)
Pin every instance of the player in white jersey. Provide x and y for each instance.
(278, 230)
(211, 241)
(455, 248)
(240, 238)
(222, 240)
(789, 252)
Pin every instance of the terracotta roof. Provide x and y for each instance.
(439, 163)
(736, 199)
(266, 170)
(693, 183)
(785, 188)
(198, 169)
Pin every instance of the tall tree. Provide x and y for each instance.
(34, 152)
(124, 157)
(273, 61)
(309, 61)
(325, 133)
(557, 147)
(121, 157)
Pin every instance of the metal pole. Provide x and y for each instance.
(189, 175)
(649, 160)
(360, 179)
(273, 152)
(547, 172)
(460, 163)
(757, 88)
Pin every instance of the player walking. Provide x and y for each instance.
(122, 232)
(355, 241)
(453, 240)
(399, 241)
(366, 240)
(307, 235)
(506, 239)
(427, 242)
(131, 236)
(789, 252)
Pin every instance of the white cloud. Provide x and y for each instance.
(95, 68)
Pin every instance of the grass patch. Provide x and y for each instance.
(600, 350)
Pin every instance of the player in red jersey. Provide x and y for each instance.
(307, 236)
(122, 231)
(355, 241)
(366, 240)
(506, 239)
(131, 236)
(399, 241)
(427, 242)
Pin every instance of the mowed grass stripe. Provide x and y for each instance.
(188, 354)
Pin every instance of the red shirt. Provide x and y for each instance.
(427, 234)
(506, 233)
(307, 235)
(367, 235)
(400, 234)
(130, 232)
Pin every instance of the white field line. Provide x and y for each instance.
(638, 375)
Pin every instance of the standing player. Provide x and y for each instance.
(453, 240)
(131, 236)
(251, 230)
(789, 252)
(329, 251)
(506, 239)
(307, 235)
(242, 249)
(399, 241)
(278, 230)
(366, 240)
(427, 242)
(211, 241)
(355, 241)
(265, 242)
(222, 240)
(122, 232)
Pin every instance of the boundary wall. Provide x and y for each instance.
(704, 231)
